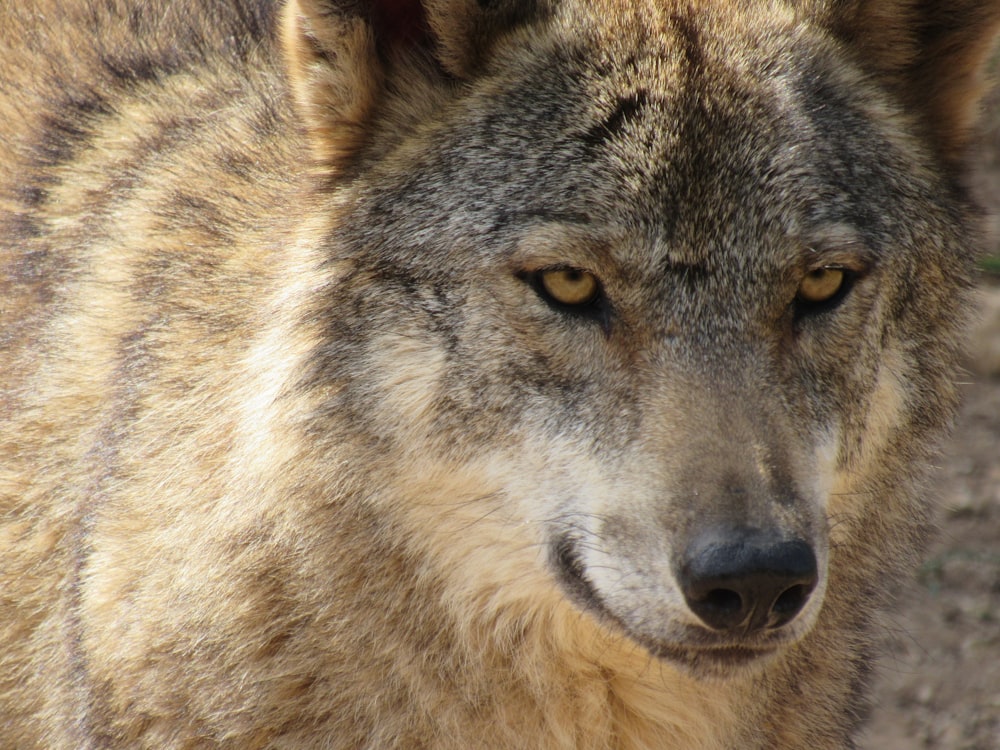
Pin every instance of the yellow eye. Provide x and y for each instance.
(821, 285)
(570, 286)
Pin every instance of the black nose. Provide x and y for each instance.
(747, 579)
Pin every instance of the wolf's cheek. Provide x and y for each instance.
(865, 452)
(410, 371)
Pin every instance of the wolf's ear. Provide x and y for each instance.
(340, 55)
(935, 52)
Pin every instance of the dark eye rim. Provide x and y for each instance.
(597, 309)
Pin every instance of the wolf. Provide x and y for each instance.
(471, 373)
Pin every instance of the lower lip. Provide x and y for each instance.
(714, 658)
(733, 655)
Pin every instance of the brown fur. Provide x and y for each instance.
(295, 454)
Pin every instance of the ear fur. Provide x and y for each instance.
(333, 69)
(340, 55)
(935, 52)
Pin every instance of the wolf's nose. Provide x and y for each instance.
(747, 579)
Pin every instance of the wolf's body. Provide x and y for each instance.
(301, 448)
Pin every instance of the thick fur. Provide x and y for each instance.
(295, 452)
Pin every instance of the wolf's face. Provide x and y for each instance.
(664, 290)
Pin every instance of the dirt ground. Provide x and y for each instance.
(940, 681)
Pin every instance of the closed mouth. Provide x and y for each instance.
(721, 661)
(706, 661)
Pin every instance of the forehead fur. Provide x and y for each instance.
(659, 123)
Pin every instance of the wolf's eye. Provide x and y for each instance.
(569, 286)
(821, 285)
(571, 291)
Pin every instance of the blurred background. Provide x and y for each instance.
(939, 683)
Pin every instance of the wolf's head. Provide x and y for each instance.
(647, 306)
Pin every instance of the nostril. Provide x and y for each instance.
(723, 601)
(788, 604)
(721, 608)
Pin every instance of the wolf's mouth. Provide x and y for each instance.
(717, 660)
(572, 575)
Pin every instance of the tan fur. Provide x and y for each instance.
(294, 450)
